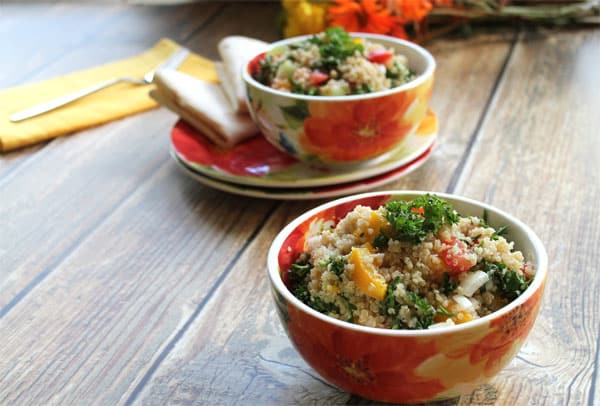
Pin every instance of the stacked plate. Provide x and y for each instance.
(256, 168)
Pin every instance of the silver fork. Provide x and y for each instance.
(173, 61)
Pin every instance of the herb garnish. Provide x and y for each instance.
(442, 310)
(501, 231)
(510, 282)
(299, 276)
(425, 311)
(335, 46)
(448, 285)
(390, 302)
(319, 305)
(266, 66)
(381, 241)
(412, 220)
(337, 265)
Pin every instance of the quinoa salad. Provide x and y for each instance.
(408, 265)
(331, 63)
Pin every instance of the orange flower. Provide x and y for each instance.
(497, 347)
(361, 16)
(380, 368)
(356, 130)
(410, 10)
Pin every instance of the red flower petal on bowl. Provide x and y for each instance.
(513, 327)
(356, 130)
(253, 157)
(360, 363)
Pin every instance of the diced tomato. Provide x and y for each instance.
(457, 256)
(419, 210)
(318, 77)
(379, 56)
(254, 64)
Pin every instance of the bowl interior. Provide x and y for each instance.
(419, 60)
(524, 238)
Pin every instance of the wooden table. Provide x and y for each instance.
(124, 281)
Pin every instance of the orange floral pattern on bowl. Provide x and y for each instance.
(400, 368)
(363, 129)
(339, 131)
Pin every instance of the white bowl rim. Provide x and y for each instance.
(274, 273)
(430, 68)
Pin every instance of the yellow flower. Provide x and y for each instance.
(304, 17)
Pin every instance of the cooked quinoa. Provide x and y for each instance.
(331, 64)
(408, 265)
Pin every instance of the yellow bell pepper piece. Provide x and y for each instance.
(366, 277)
(376, 224)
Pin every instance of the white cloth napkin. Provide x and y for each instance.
(235, 52)
(218, 110)
(203, 105)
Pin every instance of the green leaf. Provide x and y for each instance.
(412, 220)
(442, 310)
(336, 264)
(501, 231)
(510, 282)
(425, 311)
(448, 285)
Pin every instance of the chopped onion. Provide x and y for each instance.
(472, 282)
(463, 302)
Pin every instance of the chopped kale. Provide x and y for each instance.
(321, 306)
(366, 88)
(335, 46)
(266, 66)
(297, 278)
(485, 218)
(299, 270)
(501, 231)
(381, 241)
(511, 283)
(390, 302)
(350, 306)
(425, 311)
(448, 285)
(301, 292)
(337, 265)
(412, 220)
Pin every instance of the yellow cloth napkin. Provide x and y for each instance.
(112, 103)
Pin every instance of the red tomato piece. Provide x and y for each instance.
(457, 256)
(254, 64)
(379, 56)
(318, 77)
(419, 210)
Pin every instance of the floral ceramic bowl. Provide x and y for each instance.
(334, 130)
(407, 366)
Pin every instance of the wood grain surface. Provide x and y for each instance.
(124, 282)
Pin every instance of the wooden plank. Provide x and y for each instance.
(236, 350)
(70, 31)
(112, 32)
(537, 157)
(76, 181)
(58, 27)
(109, 251)
(108, 310)
(463, 84)
(260, 21)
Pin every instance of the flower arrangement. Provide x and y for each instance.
(413, 19)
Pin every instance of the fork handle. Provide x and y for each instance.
(60, 101)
